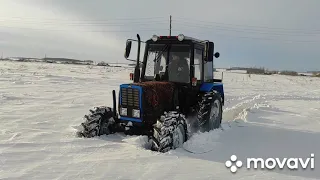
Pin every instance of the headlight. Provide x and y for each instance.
(180, 37)
(154, 38)
(124, 111)
(136, 113)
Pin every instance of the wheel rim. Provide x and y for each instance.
(178, 137)
(214, 113)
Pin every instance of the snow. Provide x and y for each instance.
(238, 71)
(42, 105)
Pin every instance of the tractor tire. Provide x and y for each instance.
(210, 112)
(170, 132)
(98, 122)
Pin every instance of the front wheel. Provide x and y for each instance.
(98, 122)
(170, 132)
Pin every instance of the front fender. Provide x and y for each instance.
(207, 87)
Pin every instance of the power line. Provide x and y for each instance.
(151, 21)
(137, 30)
(126, 20)
(86, 20)
(246, 37)
(238, 25)
(246, 31)
(162, 22)
(95, 25)
(92, 24)
(185, 26)
(84, 23)
(117, 21)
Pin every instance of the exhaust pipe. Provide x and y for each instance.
(114, 104)
(137, 68)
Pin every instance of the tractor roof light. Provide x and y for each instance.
(154, 38)
(180, 37)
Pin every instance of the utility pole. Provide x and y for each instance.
(170, 24)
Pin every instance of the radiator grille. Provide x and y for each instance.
(130, 97)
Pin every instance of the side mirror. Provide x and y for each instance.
(217, 55)
(128, 49)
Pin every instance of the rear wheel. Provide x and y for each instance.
(210, 111)
(170, 132)
(98, 122)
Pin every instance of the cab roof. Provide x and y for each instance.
(179, 38)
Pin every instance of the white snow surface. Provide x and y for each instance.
(41, 106)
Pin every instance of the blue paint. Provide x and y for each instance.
(140, 99)
(130, 119)
(207, 87)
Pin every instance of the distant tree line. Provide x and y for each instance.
(67, 61)
(264, 71)
(56, 60)
(256, 71)
(289, 73)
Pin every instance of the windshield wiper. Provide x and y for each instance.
(156, 59)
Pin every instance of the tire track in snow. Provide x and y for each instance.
(240, 110)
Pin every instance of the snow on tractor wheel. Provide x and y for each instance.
(170, 132)
(210, 111)
(98, 122)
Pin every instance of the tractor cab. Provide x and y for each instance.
(180, 63)
(179, 59)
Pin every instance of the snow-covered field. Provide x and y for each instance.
(41, 106)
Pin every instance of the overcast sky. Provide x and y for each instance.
(276, 34)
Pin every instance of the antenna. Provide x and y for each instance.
(170, 24)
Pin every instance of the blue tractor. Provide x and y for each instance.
(172, 94)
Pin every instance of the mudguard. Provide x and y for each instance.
(206, 87)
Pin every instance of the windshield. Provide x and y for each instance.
(176, 69)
